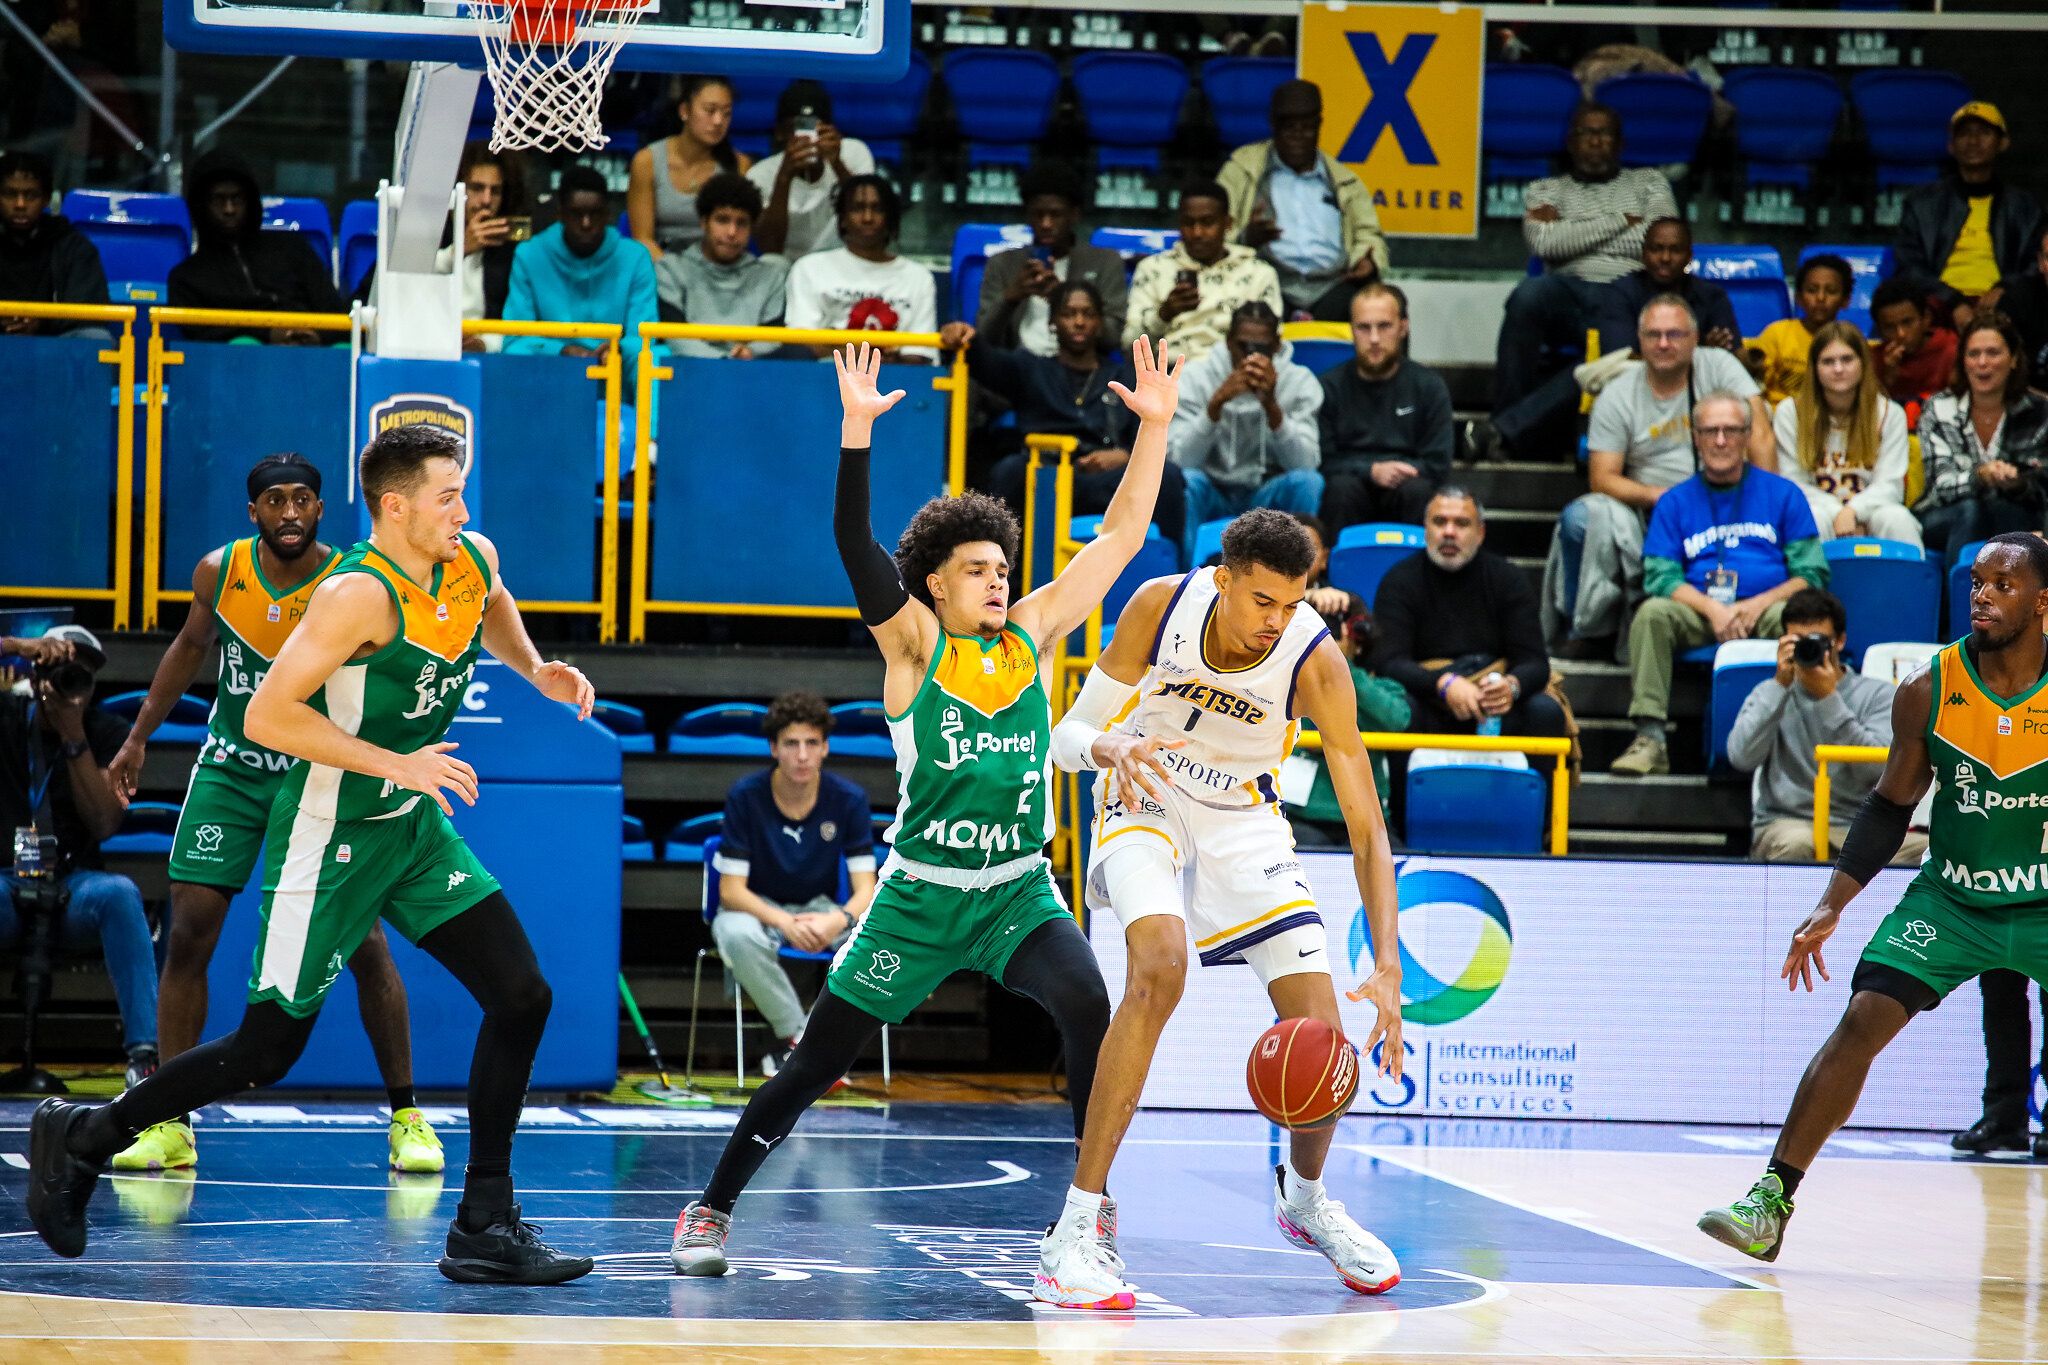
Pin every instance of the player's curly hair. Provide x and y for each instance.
(1269, 537)
(942, 525)
(796, 708)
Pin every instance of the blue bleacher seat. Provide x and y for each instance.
(729, 729)
(132, 249)
(1784, 122)
(883, 116)
(307, 217)
(1905, 116)
(1240, 92)
(126, 206)
(629, 723)
(1464, 804)
(1891, 590)
(358, 243)
(1158, 557)
(1320, 355)
(860, 729)
(1002, 102)
(1872, 264)
(1528, 108)
(694, 839)
(1134, 244)
(146, 827)
(1754, 277)
(635, 846)
(1364, 553)
(1130, 103)
(1209, 541)
(973, 244)
(186, 724)
(1739, 665)
(1958, 624)
(1662, 117)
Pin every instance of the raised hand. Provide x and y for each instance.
(859, 397)
(1158, 391)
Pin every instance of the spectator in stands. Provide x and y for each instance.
(787, 832)
(2025, 301)
(664, 176)
(1588, 227)
(1247, 434)
(864, 285)
(1984, 443)
(1784, 349)
(1844, 443)
(1639, 445)
(1457, 626)
(1724, 551)
(716, 281)
(239, 265)
(1385, 420)
(582, 270)
(1323, 599)
(1915, 359)
(1785, 716)
(1183, 298)
(1383, 708)
(54, 749)
(1015, 309)
(1961, 235)
(1309, 217)
(812, 159)
(43, 259)
(1667, 255)
(1068, 394)
(496, 222)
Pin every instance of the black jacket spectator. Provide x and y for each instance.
(1052, 399)
(1485, 610)
(238, 264)
(1621, 305)
(1933, 218)
(1405, 417)
(43, 259)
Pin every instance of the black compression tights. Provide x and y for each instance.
(1053, 966)
(484, 948)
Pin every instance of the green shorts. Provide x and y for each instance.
(326, 882)
(220, 830)
(917, 933)
(1933, 939)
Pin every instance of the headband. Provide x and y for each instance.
(286, 471)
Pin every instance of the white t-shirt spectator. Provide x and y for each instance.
(837, 289)
(813, 225)
(1654, 435)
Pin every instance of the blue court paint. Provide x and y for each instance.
(1196, 1212)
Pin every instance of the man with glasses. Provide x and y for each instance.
(1724, 551)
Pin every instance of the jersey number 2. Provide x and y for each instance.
(1024, 797)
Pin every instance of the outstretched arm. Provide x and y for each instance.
(1082, 742)
(904, 627)
(506, 638)
(174, 673)
(1065, 602)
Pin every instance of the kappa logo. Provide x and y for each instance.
(1956, 699)
(884, 964)
(1969, 801)
(208, 838)
(456, 879)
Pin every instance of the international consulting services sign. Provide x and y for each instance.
(1401, 90)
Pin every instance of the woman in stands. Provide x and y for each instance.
(1983, 442)
(1844, 443)
(661, 191)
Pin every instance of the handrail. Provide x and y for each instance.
(69, 312)
(1824, 785)
(1531, 745)
(247, 317)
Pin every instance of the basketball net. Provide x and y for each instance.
(547, 68)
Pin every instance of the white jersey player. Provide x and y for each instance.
(1188, 714)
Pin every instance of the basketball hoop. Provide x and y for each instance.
(547, 61)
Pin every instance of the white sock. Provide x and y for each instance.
(1081, 1205)
(1302, 1194)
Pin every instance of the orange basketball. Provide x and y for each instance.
(1302, 1074)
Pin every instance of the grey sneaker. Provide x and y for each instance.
(1754, 1224)
(1105, 1233)
(1644, 757)
(699, 1246)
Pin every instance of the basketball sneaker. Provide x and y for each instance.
(1077, 1269)
(699, 1245)
(1754, 1224)
(1362, 1260)
(509, 1251)
(1105, 1233)
(59, 1184)
(167, 1146)
(414, 1145)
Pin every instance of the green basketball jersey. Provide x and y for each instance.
(974, 756)
(402, 697)
(253, 621)
(1987, 841)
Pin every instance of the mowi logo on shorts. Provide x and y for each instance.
(1429, 895)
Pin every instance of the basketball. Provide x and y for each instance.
(1302, 1073)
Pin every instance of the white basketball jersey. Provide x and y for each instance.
(1236, 724)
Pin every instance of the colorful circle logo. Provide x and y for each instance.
(1429, 999)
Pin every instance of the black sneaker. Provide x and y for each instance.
(776, 1057)
(2041, 1145)
(59, 1184)
(142, 1065)
(509, 1251)
(1990, 1134)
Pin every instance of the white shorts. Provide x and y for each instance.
(1231, 875)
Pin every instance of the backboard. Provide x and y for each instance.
(849, 40)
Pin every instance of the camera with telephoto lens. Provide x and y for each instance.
(68, 678)
(1811, 650)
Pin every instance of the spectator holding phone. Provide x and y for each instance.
(1017, 289)
(1183, 298)
(812, 159)
(495, 223)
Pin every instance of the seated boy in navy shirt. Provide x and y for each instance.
(786, 832)
(1725, 549)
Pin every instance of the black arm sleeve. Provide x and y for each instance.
(877, 585)
(1874, 838)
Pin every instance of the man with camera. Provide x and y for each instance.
(1814, 698)
(55, 807)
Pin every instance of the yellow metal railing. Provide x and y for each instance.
(950, 380)
(1824, 784)
(122, 357)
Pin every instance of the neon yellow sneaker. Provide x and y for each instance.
(159, 1200)
(413, 1144)
(160, 1147)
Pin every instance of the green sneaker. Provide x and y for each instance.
(160, 1147)
(413, 1144)
(1755, 1224)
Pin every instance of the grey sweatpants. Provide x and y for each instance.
(748, 948)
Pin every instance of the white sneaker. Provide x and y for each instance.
(1105, 1233)
(1363, 1261)
(699, 1245)
(1075, 1269)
